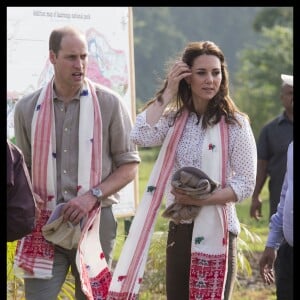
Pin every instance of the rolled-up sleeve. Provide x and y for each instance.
(118, 149)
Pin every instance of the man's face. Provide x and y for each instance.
(70, 63)
(287, 93)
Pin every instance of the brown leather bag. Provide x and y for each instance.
(19, 198)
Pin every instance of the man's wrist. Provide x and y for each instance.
(255, 198)
(97, 193)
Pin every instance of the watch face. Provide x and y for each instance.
(97, 192)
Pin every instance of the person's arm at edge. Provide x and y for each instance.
(261, 176)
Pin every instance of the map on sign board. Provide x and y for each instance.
(109, 35)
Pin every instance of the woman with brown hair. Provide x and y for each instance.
(198, 125)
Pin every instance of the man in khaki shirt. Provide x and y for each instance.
(69, 55)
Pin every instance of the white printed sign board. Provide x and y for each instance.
(110, 41)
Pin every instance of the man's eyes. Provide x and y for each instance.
(82, 57)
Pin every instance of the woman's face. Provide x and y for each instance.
(206, 77)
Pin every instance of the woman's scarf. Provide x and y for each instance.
(34, 255)
(209, 244)
(208, 270)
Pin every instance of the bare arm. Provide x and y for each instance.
(119, 178)
(78, 207)
(261, 176)
(220, 196)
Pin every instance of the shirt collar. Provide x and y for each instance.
(283, 118)
(76, 97)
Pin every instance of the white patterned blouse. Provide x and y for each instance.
(242, 155)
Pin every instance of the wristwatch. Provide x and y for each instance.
(96, 192)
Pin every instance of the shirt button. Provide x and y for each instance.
(66, 129)
(66, 192)
(65, 172)
(65, 150)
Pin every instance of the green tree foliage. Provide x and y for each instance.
(258, 79)
(160, 33)
(155, 38)
(269, 17)
(229, 27)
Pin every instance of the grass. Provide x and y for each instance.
(153, 286)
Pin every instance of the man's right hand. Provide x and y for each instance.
(266, 264)
(255, 208)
